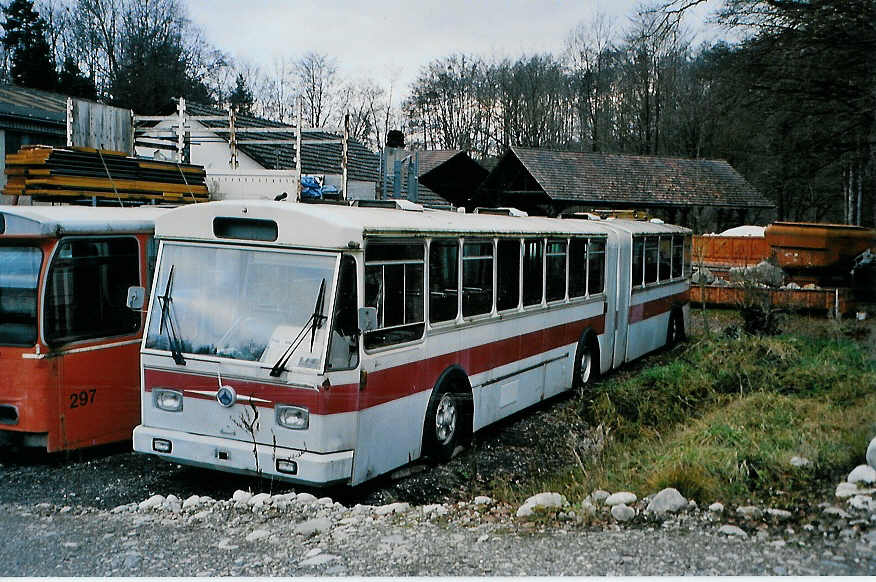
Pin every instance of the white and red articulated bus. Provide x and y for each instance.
(70, 326)
(329, 344)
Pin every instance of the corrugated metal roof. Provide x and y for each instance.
(596, 178)
(363, 165)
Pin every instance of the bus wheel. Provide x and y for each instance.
(586, 360)
(675, 332)
(446, 419)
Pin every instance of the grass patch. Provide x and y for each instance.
(720, 420)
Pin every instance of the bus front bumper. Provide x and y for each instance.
(291, 465)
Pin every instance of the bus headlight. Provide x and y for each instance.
(169, 400)
(294, 417)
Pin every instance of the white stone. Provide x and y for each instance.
(360, 509)
(318, 560)
(172, 498)
(587, 507)
(732, 530)
(525, 511)
(622, 512)
(325, 501)
(668, 500)
(621, 497)
(546, 499)
(257, 535)
(172, 506)
(259, 499)
(599, 496)
(749, 512)
(716, 507)
(779, 514)
(400, 507)
(241, 496)
(201, 515)
(800, 462)
(436, 509)
(305, 498)
(313, 526)
(483, 500)
(151, 503)
(871, 453)
(845, 490)
(861, 502)
(191, 501)
(862, 474)
(836, 512)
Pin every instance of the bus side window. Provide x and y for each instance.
(344, 344)
(507, 274)
(677, 256)
(555, 276)
(595, 267)
(477, 278)
(578, 267)
(638, 262)
(393, 285)
(533, 280)
(665, 260)
(86, 289)
(650, 259)
(443, 280)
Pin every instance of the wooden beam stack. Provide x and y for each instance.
(59, 174)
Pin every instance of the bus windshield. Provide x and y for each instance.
(242, 304)
(19, 276)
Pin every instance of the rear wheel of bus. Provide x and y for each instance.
(586, 361)
(448, 417)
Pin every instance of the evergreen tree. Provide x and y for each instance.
(24, 40)
(72, 82)
(241, 97)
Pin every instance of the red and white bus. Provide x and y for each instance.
(323, 344)
(69, 342)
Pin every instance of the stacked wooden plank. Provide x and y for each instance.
(53, 173)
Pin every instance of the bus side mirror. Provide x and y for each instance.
(135, 298)
(367, 318)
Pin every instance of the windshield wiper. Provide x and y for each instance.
(167, 317)
(313, 323)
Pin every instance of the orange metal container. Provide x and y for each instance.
(729, 251)
(795, 299)
(802, 245)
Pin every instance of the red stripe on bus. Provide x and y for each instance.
(650, 309)
(388, 384)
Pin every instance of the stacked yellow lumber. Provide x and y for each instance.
(53, 173)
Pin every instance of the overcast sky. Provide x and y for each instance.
(393, 38)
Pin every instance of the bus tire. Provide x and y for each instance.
(448, 416)
(586, 360)
(675, 332)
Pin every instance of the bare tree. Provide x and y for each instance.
(317, 82)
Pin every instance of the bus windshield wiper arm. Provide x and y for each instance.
(168, 319)
(313, 323)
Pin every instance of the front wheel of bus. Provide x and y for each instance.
(445, 420)
(586, 360)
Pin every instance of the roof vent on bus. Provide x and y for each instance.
(501, 211)
(397, 204)
(656, 221)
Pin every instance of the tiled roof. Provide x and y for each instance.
(597, 178)
(363, 165)
(33, 104)
(431, 159)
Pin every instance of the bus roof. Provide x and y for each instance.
(339, 227)
(52, 221)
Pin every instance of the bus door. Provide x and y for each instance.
(94, 337)
(623, 292)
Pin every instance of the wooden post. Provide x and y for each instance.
(344, 154)
(69, 122)
(180, 130)
(298, 154)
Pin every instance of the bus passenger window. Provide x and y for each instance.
(443, 280)
(677, 256)
(650, 259)
(533, 281)
(507, 274)
(393, 285)
(596, 267)
(477, 278)
(578, 267)
(665, 260)
(87, 287)
(556, 270)
(638, 262)
(344, 343)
